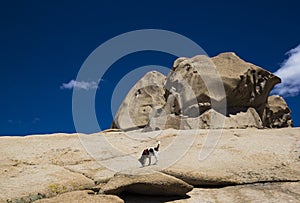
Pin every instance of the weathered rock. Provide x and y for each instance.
(277, 113)
(82, 197)
(23, 180)
(268, 192)
(188, 82)
(240, 157)
(148, 184)
(246, 85)
(209, 119)
(212, 119)
(92, 170)
(33, 167)
(224, 83)
(138, 106)
(172, 121)
(37, 167)
(263, 192)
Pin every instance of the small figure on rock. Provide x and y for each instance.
(148, 153)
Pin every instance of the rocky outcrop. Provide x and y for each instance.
(210, 119)
(140, 103)
(152, 184)
(277, 113)
(200, 89)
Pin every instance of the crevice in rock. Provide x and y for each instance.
(214, 186)
(206, 184)
(85, 175)
(74, 171)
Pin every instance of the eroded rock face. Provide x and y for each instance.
(278, 114)
(188, 82)
(138, 106)
(210, 119)
(200, 89)
(195, 80)
(249, 119)
(246, 84)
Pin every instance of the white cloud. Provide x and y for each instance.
(289, 72)
(79, 85)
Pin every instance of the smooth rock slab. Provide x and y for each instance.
(239, 157)
(44, 166)
(28, 181)
(148, 184)
(253, 193)
(34, 166)
(82, 197)
(267, 193)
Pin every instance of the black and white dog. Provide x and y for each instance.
(147, 153)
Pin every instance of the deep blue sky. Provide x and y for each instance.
(44, 43)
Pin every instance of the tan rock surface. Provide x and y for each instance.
(225, 83)
(82, 197)
(141, 101)
(249, 119)
(208, 120)
(152, 184)
(267, 193)
(254, 193)
(43, 166)
(35, 166)
(235, 156)
(242, 156)
(246, 84)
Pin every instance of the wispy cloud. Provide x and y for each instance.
(289, 72)
(80, 85)
(36, 120)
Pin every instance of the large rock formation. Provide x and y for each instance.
(140, 102)
(197, 89)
